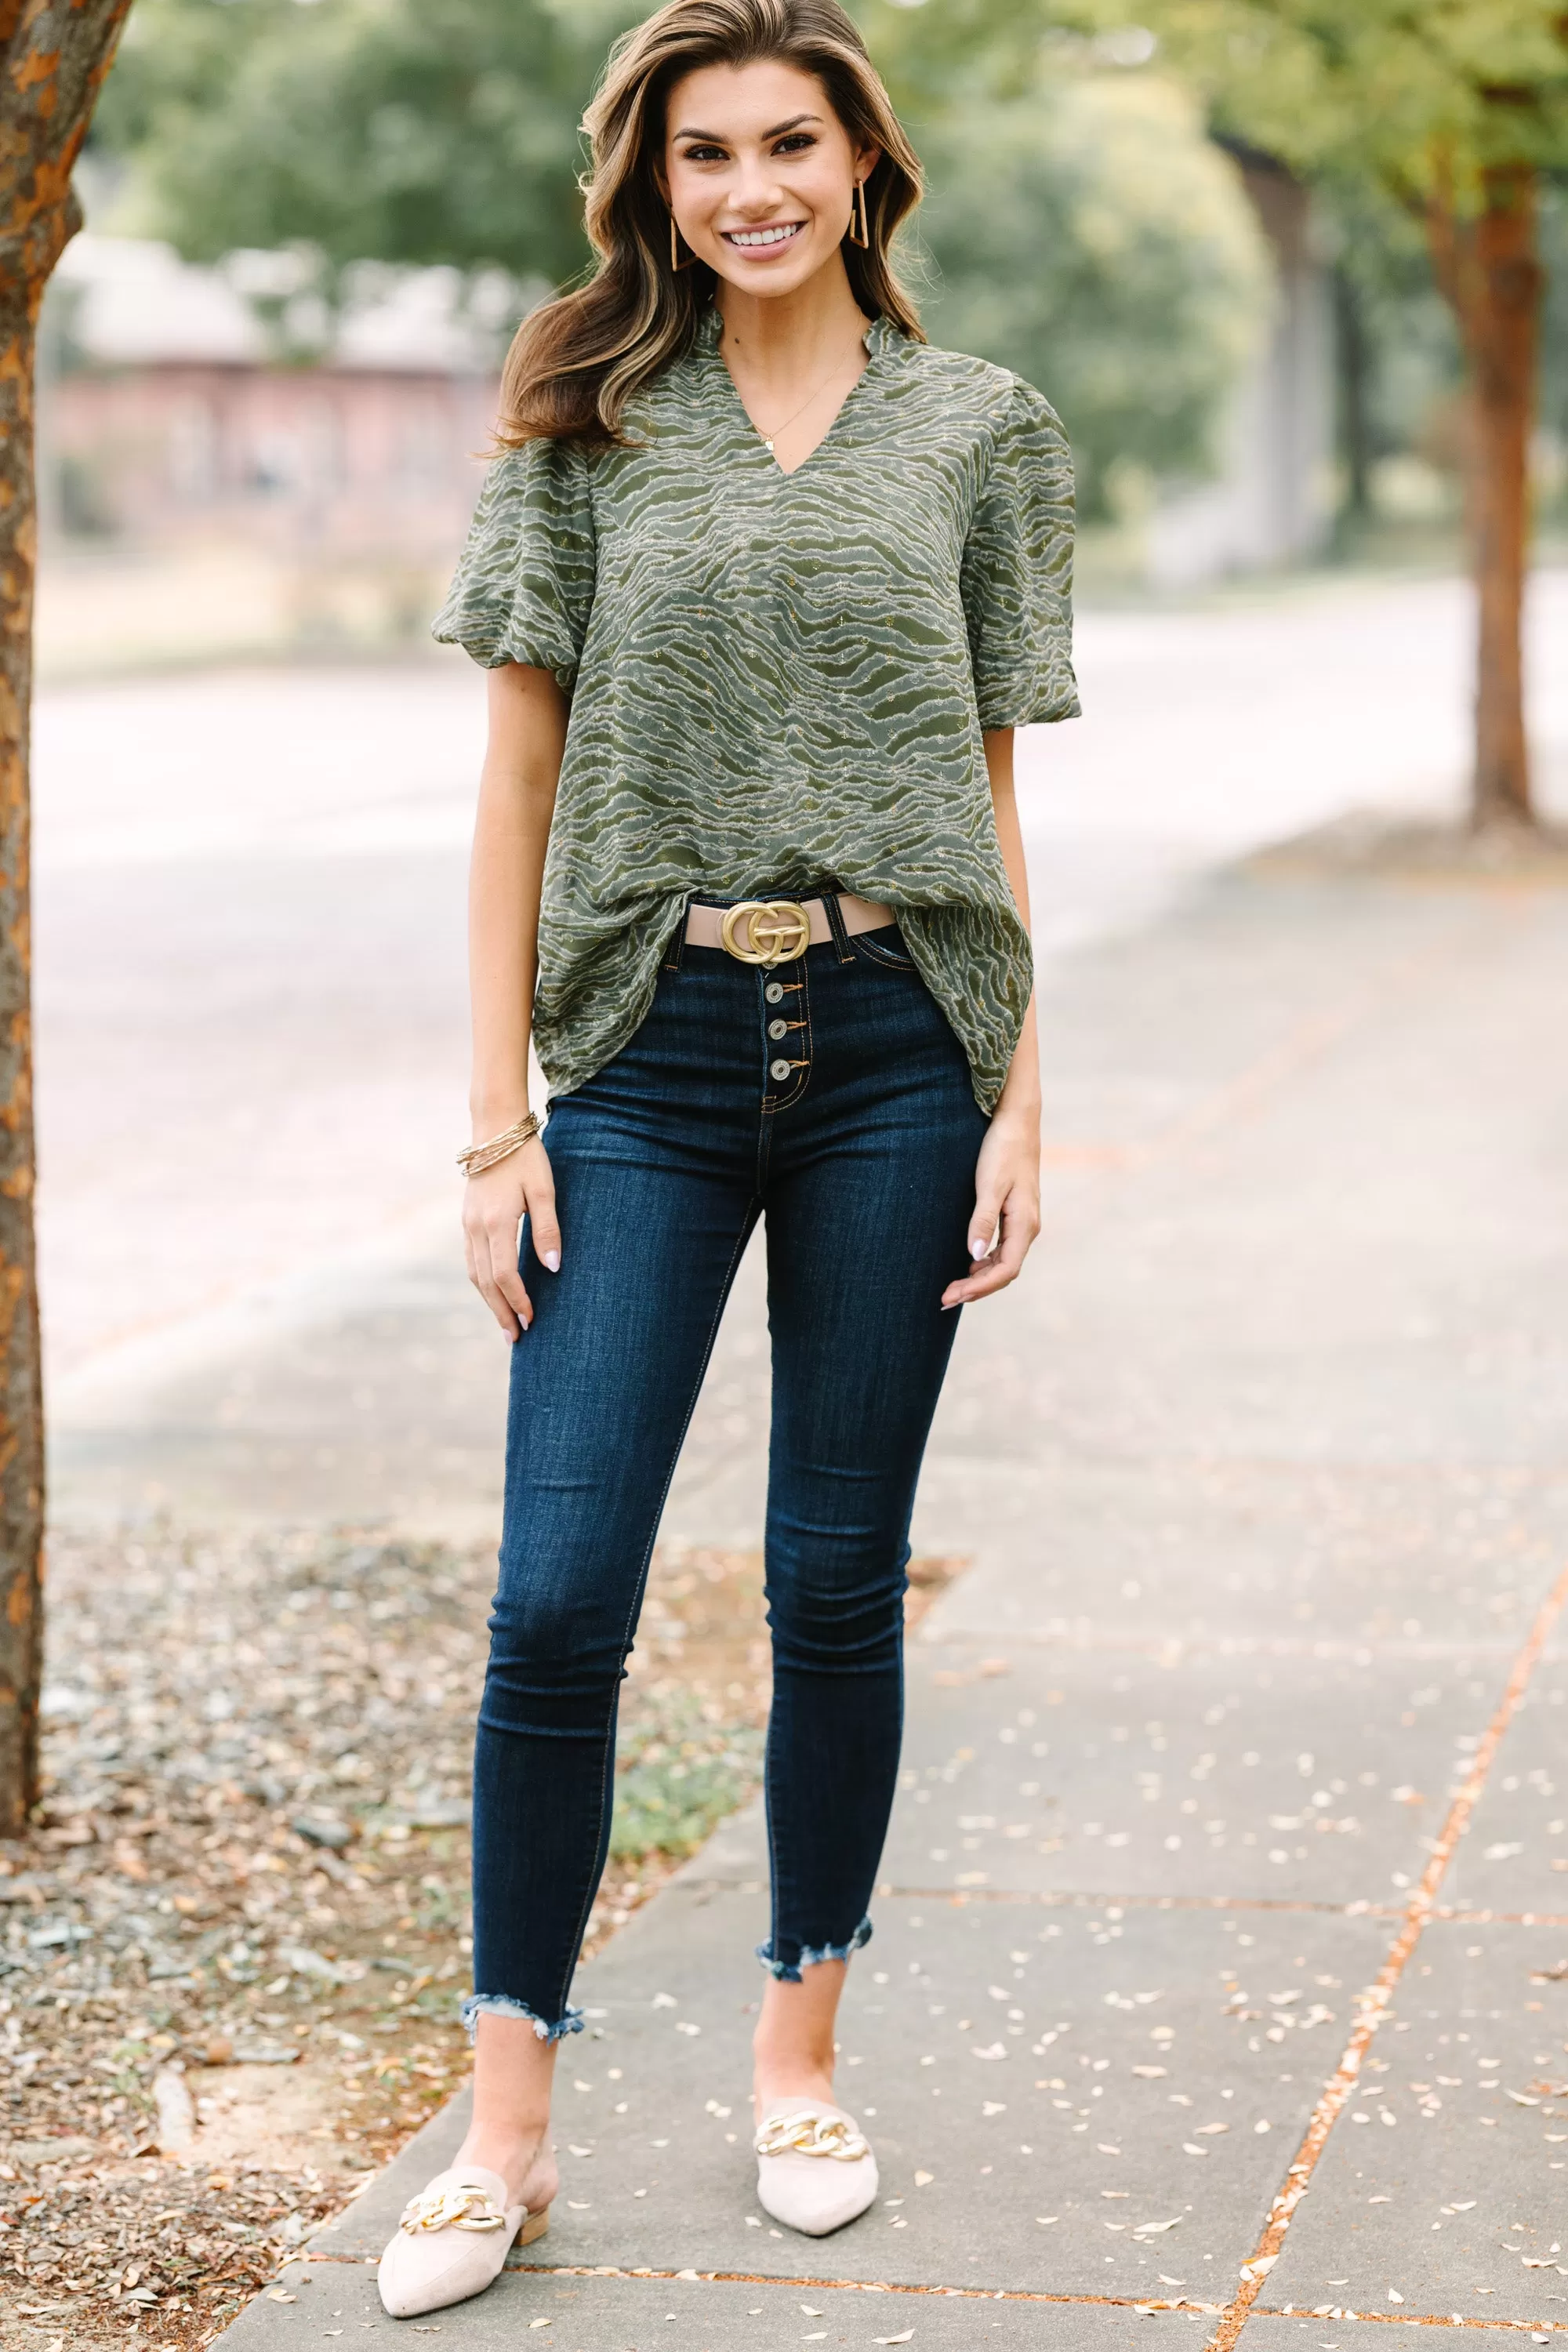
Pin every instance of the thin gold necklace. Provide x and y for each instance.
(767, 439)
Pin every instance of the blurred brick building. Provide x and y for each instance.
(168, 419)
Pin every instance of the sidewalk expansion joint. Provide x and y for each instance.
(1310, 1041)
(1073, 1899)
(1376, 2001)
(1408, 2318)
(970, 2293)
(1184, 1649)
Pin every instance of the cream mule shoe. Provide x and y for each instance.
(815, 2166)
(453, 2240)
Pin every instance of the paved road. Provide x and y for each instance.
(1221, 1965)
(252, 1034)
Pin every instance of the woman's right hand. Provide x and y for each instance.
(494, 1206)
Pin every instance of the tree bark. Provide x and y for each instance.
(1490, 273)
(54, 54)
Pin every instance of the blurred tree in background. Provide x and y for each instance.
(1454, 112)
(362, 130)
(1451, 116)
(1095, 240)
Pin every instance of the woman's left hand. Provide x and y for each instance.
(1006, 1205)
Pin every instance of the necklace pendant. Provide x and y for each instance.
(767, 445)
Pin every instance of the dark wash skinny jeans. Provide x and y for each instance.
(861, 1157)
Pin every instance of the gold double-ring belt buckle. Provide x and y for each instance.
(775, 930)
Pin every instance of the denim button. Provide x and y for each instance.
(778, 1069)
(778, 1028)
(774, 993)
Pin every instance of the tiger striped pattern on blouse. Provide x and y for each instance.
(778, 682)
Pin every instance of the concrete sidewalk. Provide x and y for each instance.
(1220, 1961)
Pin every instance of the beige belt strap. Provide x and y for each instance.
(768, 930)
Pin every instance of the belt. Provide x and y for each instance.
(775, 930)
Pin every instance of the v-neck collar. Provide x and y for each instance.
(879, 337)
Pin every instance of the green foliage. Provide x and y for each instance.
(1414, 97)
(1380, 104)
(1084, 228)
(1093, 238)
(366, 130)
(1391, 108)
(934, 56)
(1400, 91)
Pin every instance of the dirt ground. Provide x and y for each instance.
(231, 1948)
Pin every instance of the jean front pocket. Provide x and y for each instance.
(885, 946)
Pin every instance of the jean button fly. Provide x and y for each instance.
(778, 1028)
(779, 1070)
(774, 993)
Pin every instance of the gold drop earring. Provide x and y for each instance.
(859, 227)
(676, 263)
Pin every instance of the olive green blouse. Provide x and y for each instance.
(778, 682)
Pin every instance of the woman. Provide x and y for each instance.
(763, 584)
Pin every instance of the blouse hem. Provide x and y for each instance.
(1031, 715)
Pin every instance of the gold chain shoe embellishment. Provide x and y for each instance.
(811, 2135)
(777, 931)
(452, 2208)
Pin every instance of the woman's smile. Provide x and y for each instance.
(772, 239)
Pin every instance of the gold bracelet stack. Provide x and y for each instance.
(480, 1156)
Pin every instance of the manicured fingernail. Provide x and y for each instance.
(551, 1258)
(977, 1248)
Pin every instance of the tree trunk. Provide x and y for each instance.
(54, 54)
(1489, 269)
(1354, 369)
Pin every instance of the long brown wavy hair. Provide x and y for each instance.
(576, 362)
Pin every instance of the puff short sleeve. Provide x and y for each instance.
(523, 588)
(1017, 574)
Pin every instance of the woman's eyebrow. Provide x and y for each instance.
(717, 137)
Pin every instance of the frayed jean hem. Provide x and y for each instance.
(502, 2004)
(789, 1972)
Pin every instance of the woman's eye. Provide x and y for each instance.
(796, 143)
(703, 154)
